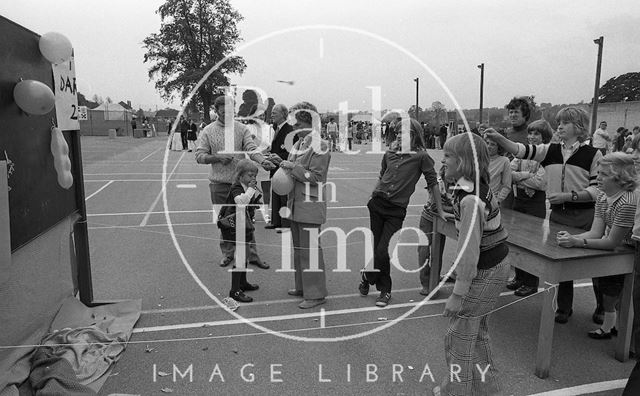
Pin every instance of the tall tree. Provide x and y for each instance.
(439, 112)
(623, 88)
(194, 36)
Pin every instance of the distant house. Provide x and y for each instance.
(166, 114)
(111, 111)
(126, 105)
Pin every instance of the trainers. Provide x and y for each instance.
(514, 284)
(230, 303)
(383, 299)
(226, 261)
(524, 291)
(240, 296)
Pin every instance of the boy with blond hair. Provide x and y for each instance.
(571, 167)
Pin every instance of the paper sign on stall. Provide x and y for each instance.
(64, 79)
(82, 113)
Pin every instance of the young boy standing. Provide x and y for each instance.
(571, 167)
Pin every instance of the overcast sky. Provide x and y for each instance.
(541, 47)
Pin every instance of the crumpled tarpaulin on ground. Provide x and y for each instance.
(53, 375)
(90, 350)
(89, 339)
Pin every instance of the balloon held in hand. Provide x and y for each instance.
(282, 182)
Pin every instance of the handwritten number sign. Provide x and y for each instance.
(64, 78)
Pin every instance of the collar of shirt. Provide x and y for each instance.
(464, 184)
(612, 199)
(279, 126)
(573, 147)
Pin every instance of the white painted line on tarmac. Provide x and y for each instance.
(277, 318)
(207, 180)
(256, 303)
(142, 173)
(313, 315)
(152, 180)
(155, 202)
(192, 173)
(100, 189)
(101, 227)
(209, 211)
(150, 154)
(586, 388)
(186, 186)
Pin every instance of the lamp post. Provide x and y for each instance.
(596, 89)
(417, 79)
(481, 67)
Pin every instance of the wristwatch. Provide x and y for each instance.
(574, 196)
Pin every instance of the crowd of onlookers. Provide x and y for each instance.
(564, 174)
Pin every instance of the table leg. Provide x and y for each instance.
(436, 258)
(626, 320)
(545, 334)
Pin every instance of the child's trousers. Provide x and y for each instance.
(466, 343)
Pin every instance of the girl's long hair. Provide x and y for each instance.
(416, 141)
(460, 146)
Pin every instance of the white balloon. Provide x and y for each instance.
(282, 182)
(34, 97)
(55, 47)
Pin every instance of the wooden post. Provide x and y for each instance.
(626, 320)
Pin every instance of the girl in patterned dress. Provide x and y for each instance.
(611, 227)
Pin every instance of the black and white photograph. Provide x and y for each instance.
(319, 197)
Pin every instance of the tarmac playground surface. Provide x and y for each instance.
(186, 344)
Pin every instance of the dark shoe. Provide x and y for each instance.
(600, 334)
(363, 288)
(563, 317)
(614, 332)
(294, 292)
(260, 264)
(240, 296)
(249, 287)
(383, 299)
(270, 226)
(598, 317)
(514, 284)
(226, 261)
(524, 291)
(424, 291)
(306, 304)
